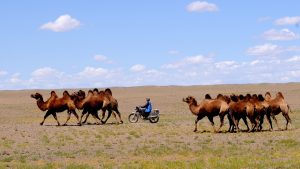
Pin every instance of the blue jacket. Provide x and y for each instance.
(148, 107)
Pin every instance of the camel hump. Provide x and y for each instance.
(241, 97)
(280, 95)
(234, 98)
(108, 91)
(268, 94)
(207, 96)
(260, 97)
(66, 94)
(53, 94)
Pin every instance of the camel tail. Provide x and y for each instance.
(289, 109)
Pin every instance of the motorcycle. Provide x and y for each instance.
(138, 113)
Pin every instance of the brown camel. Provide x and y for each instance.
(277, 105)
(89, 104)
(113, 105)
(209, 108)
(55, 105)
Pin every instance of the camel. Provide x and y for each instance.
(239, 108)
(207, 108)
(113, 106)
(89, 104)
(277, 105)
(55, 105)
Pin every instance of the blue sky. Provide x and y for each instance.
(72, 44)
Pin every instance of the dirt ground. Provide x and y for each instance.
(171, 143)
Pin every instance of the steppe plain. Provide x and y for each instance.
(170, 143)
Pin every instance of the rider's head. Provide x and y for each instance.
(147, 99)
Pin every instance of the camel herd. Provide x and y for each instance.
(89, 104)
(253, 107)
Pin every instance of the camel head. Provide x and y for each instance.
(36, 96)
(190, 100)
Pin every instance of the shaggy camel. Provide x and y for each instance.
(113, 105)
(89, 104)
(277, 105)
(241, 108)
(55, 104)
(209, 108)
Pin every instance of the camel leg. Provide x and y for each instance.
(196, 122)
(82, 114)
(76, 115)
(119, 115)
(221, 122)
(288, 120)
(103, 113)
(270, 122)
(68, 118)
(211, 119)
(109, 114)
(96, 117)
(55, 117)
(274, 118)
(46, 115)
(86, 117)
(246, 123)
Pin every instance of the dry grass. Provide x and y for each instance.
(168, 144)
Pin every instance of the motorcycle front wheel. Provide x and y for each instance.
(154, 119)
(133, 118)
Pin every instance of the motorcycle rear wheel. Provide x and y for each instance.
(154, 119)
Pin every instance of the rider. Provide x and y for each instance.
(147, 108)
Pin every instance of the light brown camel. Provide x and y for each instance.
(113, 105)
(277, 105)
(209, 108)
(241, 108)
(55, 105)
(89, 104)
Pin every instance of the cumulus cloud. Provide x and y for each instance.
(62, 24)
(3, 73)
(201, 6)
(191, 60)
(45, 72)
(227, 65)
(264, 50)
(283, 34)
(91, 72)
(137, 68)
(294, 59)
(288, 20)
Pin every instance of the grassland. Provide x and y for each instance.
(171, 143)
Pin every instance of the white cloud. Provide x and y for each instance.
(201, 6)
(264, 50)
(294, 59)
(197, 59)
(137, 68)
(226, 65)
(191, 60)
(45, 72)
(91, 72)
(288, 20)
(3, 73)
(15, 78)
(255, 62)
(62, 24)
(283, 34)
